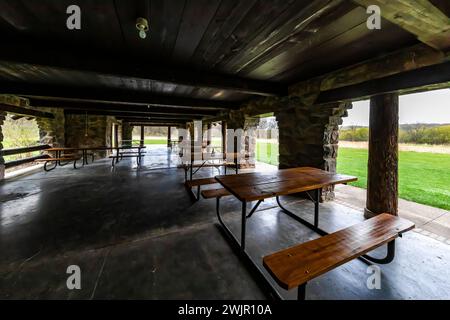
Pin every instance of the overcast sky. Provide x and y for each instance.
(426, 107)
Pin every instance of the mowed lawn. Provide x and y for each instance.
(423, 177)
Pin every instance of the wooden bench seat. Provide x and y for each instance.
(295, 266)
(215, 193)
(198, 183)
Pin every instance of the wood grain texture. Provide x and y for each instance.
(259, 186)
(299, 264)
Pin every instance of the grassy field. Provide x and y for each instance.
(267, 152)
(423, 177)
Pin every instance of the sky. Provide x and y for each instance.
(425, 107)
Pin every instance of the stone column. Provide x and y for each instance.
(90, 131)
(382, 175)
(2, 161)
(52, 131)
(309, 136)
(239, 121)
(127, 132)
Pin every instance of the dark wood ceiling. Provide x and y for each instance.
(226, 50)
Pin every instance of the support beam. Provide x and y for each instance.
(145, 115)
(169, 137)
(141, 142)
(419, 17)
(398, 62)
(224, 136)
(20, 111)
(109, 95)
(83, 105)
(407, 81)
(53, 58)
(382, 176)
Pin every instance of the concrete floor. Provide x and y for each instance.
(135, 233)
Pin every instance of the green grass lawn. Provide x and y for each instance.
(267, 153)
(156, 141)
(423, 177)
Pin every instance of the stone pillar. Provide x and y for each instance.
(309, 136)
(239, 121)
(127, 132)
(52, 131)
(382, 175)
(90, 131)
(2, 161)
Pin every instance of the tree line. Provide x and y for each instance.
(417, 134)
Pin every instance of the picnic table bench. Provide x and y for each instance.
(58, 161)
(295, 266)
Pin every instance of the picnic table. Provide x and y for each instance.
(258, 186)
(199, 160)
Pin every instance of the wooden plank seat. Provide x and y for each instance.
(198, 183)
(295, 266)
(58, 161)
(215, 193)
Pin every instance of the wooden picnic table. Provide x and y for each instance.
(259, 186)
(205, 159)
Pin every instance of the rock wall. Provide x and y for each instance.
(95, 132)
(309, 136)
(52, 131)
(126, 132)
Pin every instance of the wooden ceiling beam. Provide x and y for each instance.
(26, 112)
(109, 95)
(146, 115)
(89, 106)
(419, 17)
(427, 77)
(397, 62)
(81, 60)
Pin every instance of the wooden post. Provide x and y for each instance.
(169, 137)
(116, 135)
(141, 143)
(224, 137)
(208, 134)
(382, 177)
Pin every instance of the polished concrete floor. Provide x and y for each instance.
(135, 233)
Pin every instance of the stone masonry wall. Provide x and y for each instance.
(52, 131)
(127, 132)
(95, 133)
(309, 136)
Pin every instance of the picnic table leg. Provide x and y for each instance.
(316, 207)
(243, 224)
(302, 292)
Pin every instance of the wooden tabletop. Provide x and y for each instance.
(262, 185)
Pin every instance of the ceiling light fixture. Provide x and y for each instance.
(142, 26)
